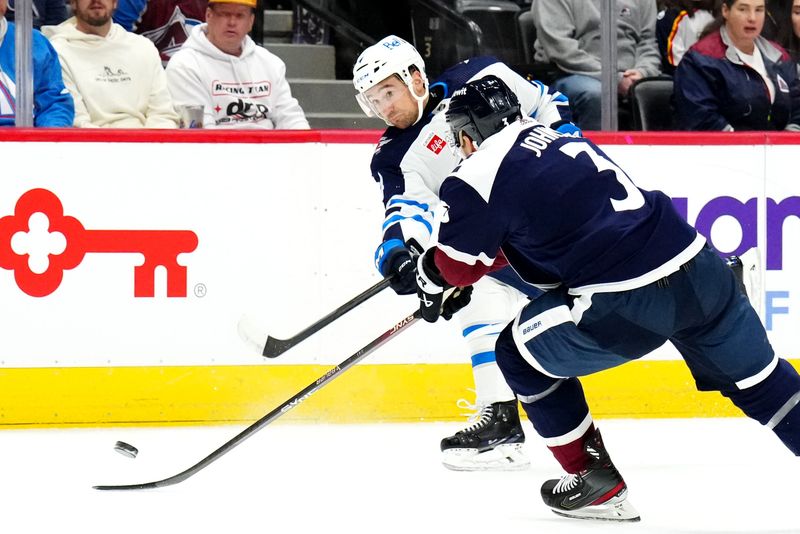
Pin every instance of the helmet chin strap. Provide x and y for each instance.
(420, 102)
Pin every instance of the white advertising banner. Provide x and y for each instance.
(147, 253)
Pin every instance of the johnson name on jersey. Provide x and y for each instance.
(561, 211)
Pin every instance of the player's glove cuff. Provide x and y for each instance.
(430, 286)
(384, 252)
(393, 259)
(567, 128)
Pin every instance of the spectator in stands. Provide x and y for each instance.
(165, 22)
(240, 85)
(115, 76)
(773, 21)
(789, 34)
(52, 103)
(678, 27)
(794, 39)
(45, 12)
(568, 34)
(734, 79)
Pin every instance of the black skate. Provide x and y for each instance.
(598, 492)
(492, 443)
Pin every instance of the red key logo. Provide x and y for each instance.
(38, 276)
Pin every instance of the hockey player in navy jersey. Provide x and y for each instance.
(410, 162)
(626, 274)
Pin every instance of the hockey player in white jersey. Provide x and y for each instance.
(410, 162)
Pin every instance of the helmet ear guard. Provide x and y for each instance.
(481, 108)
(391, 56)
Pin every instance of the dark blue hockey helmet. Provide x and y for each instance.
(482, 108)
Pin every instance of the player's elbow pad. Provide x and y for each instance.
(457, 273)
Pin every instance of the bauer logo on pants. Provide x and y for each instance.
(38, 242)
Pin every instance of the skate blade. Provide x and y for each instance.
(507, 457)
(615, 509)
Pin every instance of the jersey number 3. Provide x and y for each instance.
(633, 197)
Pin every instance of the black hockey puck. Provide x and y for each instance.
(126, 449)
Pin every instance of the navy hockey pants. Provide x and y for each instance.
(699, 308)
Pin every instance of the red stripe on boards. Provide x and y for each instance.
(101, 135)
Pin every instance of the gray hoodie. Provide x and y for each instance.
(568, 34)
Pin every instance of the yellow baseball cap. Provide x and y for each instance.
(248, 3)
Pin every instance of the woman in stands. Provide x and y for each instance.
(678, 27)
(734, 79)
(789, 34)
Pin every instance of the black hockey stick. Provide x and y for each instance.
(277, 412)
(274, 347)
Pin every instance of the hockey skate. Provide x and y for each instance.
(598, 492)
(493, 442)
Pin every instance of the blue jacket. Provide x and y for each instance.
(714, 90)
(45, 12)
(52, 103)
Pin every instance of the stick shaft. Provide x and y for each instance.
(274, 347)
(294, 401)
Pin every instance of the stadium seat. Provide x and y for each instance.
(497, 19)
(651, 103)
(527, 34)
(529, 67)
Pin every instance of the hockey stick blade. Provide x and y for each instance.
(272, 347)
(294, 401)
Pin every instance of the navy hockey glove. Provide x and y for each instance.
(430, 290)
(457, 300)
(394, 259)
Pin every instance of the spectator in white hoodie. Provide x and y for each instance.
(239, 84)
(114, 76)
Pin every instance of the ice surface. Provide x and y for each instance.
(685, 476)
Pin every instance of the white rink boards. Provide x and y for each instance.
(159, 242)
(286, 232)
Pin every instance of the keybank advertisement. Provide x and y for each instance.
(151, 253)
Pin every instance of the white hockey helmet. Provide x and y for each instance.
(390, 56)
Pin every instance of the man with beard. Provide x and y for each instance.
(114, 76)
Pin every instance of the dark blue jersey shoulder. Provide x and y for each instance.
(393, 146)
(561, 210)
(459, 74)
